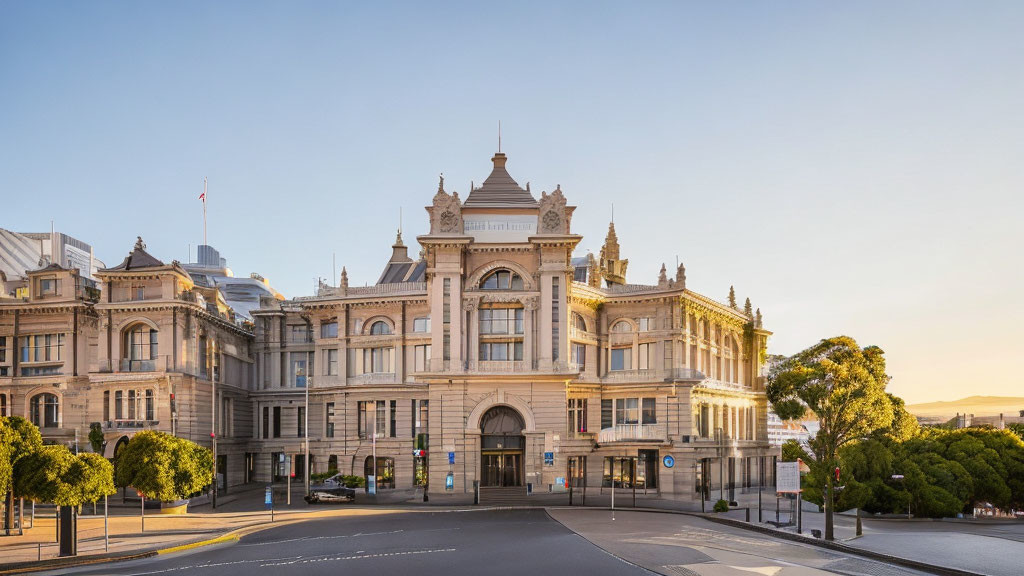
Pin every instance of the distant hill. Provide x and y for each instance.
(977, 405)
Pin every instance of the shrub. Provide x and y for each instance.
(721, 506)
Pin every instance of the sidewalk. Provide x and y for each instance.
(162, 532)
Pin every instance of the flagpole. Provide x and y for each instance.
(204, 210)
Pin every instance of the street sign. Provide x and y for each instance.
(787, 477)
(668, 461)
(419, 453)
(451, 457)
(549, 458)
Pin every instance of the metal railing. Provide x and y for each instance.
(137, 365)
(629, 432)
(646, 375)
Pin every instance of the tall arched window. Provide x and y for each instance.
(140, 347)
(502, 280)
(45, 410)
(380, 328)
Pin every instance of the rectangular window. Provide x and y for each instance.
(607, 414)
(420, 415)
(649, 416)
(365, 417)
(118, 405)
(47, 286)
(579, 354)
(644, 356)
(331, 361)
(329, 330)
(301, 415)
(139, 292)
(394, 418)
(421, 324)
(106, 405)
(668, 354)
(266, 421)
(329, 424)
(381, 419)
(3, 349)
(299, 369)
(131, 404)
(644, 324)
(627, 411)
(377, 360)
(501, 351)
(150, 406)
(501, 321)
(622, 359)
(277, 421)
(577, 415)
(422, 357)
(299, 333)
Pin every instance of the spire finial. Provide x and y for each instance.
(732, 297)
(747, 308)
(139, 244)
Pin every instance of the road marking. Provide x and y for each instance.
(354, 557)
(305, 538)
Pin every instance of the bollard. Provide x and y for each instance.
(39, 551)
(860, 529)
(748, 514)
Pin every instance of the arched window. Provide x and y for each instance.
(140, 347)
(379, 328)
(578, 322)
(622, 326)
(45, 410)
(502, 280)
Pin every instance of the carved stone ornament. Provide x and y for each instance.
(446, 212)
(553, 219)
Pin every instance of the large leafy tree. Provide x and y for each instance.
(163, 466)
(844, 385)
(21, 438)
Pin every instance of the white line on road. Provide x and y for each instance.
(355, 557)
(304, 538)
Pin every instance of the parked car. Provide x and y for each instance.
(327, 494)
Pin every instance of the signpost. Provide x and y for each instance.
(787, 481)
(668, 461)
(268, 500)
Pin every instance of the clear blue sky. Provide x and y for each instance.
(854, 168)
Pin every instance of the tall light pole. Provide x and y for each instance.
(309, 382)
(213, 425)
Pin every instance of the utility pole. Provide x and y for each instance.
(213, 407)
(309, 382)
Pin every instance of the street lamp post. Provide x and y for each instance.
(309, 382)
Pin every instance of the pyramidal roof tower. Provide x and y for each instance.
(500, 190)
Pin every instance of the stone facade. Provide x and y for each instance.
(494, 358)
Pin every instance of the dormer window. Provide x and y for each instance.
(47, 287)
(502, 280)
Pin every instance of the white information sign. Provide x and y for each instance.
(787, 477)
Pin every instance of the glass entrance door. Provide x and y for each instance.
(501, 468)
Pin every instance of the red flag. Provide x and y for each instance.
(203, 196)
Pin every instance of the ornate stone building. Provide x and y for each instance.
(141, 350)
(498, 358)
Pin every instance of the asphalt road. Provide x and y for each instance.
(450, 543)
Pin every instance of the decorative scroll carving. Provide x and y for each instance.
(553, 218)
(446, 212)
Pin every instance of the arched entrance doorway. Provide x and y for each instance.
(501, 447)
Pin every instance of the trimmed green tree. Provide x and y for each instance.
(96, 439)
(844, 385)
(164, 467)
(21, 439)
